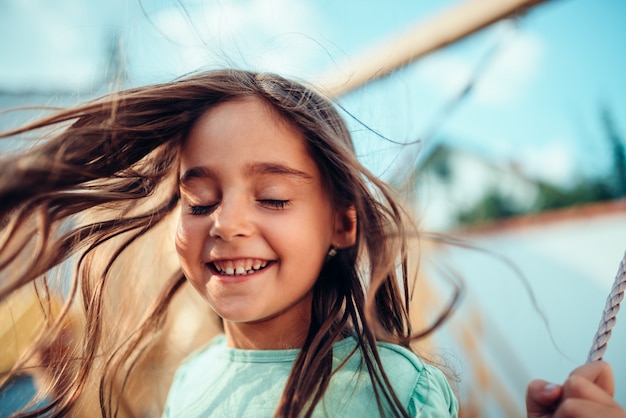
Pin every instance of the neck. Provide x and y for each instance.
(284, 331)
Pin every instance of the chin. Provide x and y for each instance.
(239, 316)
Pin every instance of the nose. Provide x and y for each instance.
(231, 219)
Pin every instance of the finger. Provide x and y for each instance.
(581, 408)
(578, 387)
(542, 398)
(599, 373)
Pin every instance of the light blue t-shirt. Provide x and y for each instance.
(223, 382)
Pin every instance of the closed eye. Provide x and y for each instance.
(202, 210)
(273, 203)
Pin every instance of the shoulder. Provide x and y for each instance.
(190, 380)
(424, 387)
(200, 355)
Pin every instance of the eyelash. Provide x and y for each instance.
(270, 203)
(202, 210)
(274, 203)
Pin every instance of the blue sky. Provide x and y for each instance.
(535, 105)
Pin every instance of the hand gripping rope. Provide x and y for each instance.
(608, 315)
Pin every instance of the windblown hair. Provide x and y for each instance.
(96, 198)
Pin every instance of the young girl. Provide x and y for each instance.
(300, 251)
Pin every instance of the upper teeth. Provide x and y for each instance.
(239, 267)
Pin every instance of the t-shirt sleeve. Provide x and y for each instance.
(433, 396)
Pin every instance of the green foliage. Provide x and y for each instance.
(439, 163)
(586, 191)
(619, 155)
(495, 205)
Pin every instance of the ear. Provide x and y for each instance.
(344, 235)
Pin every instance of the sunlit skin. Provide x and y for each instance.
(586, 393)
(253, 201)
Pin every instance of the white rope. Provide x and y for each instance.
(608, 315)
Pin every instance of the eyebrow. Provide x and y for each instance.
(196, 173)
(253, 169)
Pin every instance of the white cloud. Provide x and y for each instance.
(276, 35)
(446, 72)
(511, 71)
(554, 162)
(62, 45)
(49, 45)
(505, 78)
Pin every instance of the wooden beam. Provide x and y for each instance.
(450, 26)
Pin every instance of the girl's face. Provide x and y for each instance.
(256, 222)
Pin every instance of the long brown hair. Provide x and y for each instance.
(102, 188)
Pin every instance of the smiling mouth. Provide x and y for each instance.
(238, 267)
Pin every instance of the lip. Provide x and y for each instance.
(237, 278)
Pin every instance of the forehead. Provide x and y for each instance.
(244, 131)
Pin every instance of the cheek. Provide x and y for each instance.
(309, 235)
(183, 240)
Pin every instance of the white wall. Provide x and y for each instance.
(570, 265)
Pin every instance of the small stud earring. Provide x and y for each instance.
(332, 252)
